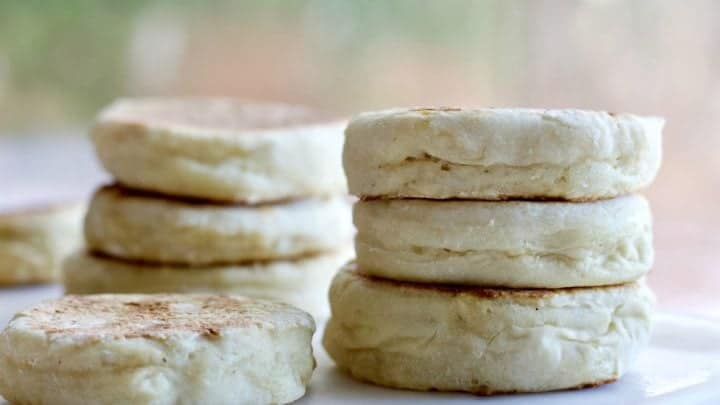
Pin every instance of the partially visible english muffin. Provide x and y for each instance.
(220, 149)
(301, 282)
(484, 340)
(33, 242)
(133, 225)
(526, 244)
(500, 153)
(161, 349)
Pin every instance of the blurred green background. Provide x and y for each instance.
(61, 61)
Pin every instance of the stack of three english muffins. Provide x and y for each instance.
(498, 250)
(216, 195)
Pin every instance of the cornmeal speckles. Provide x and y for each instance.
(152, 316)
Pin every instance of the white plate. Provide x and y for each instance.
(682, 366)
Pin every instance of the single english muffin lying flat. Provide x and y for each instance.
(163, 349)
(34, 242)
(496, 153)
(134, 225)
(529, 244)
(302, 282)
(484, 340)
(220, 149)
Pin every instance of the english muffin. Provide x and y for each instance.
(484, 340)
(535, 244)
(503, 153)
(301, 282)
(134, 225)
(162, 349)
(220, 149)
(34, 241)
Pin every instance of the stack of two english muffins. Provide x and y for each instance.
(216, 196)
(498, 250)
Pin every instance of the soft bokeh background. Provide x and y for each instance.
(60, 61)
